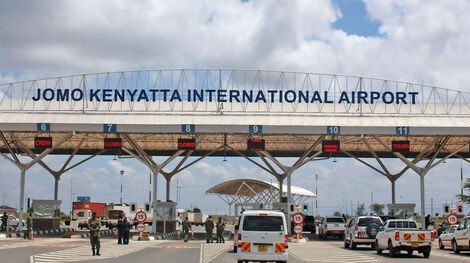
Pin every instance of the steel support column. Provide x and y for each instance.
(21, 207)
(56, 188)
(289, 199)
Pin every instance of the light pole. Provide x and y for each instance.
(122, 173)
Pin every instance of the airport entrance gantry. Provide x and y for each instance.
(260, 115)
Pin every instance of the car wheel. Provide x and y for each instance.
(455, 248)
(441, 246)
(346, 244)
(427, 253)
(391, 251)
(377, 249)
(372, 246)
(410, 252)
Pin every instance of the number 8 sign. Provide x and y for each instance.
(141, 216)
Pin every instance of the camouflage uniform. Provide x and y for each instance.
(29, 228)
(209, 230)
(94, 225)
(4, 222)
(186, 228)
(220, 231)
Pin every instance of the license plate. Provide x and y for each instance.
(336, 224)
(414, 244)
(262, 248)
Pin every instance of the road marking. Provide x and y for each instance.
(39, 243)
(213, 250)
(109, 249)
(450, 255)
(321, 252)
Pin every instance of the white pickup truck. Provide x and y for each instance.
(397, 235)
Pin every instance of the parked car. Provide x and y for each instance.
(13, 222)
(362, 230)
(397, 235)
(461, 239)
(309, 224)
(332, 226)
(445, 239)
(262, 237)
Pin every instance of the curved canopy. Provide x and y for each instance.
(251, 187)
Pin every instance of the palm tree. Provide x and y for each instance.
(466, 192)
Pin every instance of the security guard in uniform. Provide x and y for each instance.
(209, 229)
(220, 230)
(94, 224)
(29, 227)
(4, 222)
(186, 228)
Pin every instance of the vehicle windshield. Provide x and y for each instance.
(369, 220)
(402, 224)
(263, 223)
(335, 220)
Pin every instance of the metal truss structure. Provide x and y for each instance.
(254, 193)
(432, 100)
(437, 124)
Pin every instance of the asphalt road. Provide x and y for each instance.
(172, 251)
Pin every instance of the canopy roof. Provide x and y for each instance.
(251, 187)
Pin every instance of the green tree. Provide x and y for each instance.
(337, 213)
(360, 210)
(377, 208)
(197, 210)
(466, 192)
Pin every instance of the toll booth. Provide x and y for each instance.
(166, 216)
(401, 210)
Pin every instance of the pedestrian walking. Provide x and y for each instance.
(4, 222)
(119, 229)
(94, 225)
(209, 230)
(220, 230)
(125, 228)
(186, 228)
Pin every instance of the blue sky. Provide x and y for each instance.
(308, 36)
(355, 19)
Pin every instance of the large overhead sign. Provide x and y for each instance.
(401, 147)
(330, 146)
(42, 143)
(225, 95)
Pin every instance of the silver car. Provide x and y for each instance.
(362, 231)
(445, 239)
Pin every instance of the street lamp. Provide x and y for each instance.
(122, 173)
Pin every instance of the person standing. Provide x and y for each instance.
(220, 230)
(29, 227)
(209, 230)
(125, 228)
(427, 221)
(94, 225)
(119, 229)
(186, 228)
(4, 222)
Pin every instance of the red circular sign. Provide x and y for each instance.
(452, 219)
(140, 216)
(298, 218)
